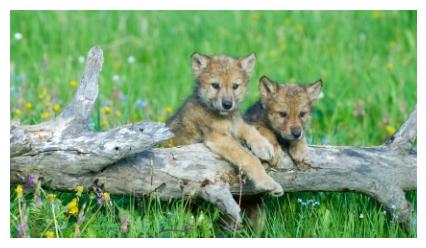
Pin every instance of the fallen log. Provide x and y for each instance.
(67, 153)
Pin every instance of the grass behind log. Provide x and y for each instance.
(366, 59)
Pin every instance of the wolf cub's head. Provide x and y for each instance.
(222, 80)
(288, 106)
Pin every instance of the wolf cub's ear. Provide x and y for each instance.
(267, 87)
(314, 90)
(247, 63)
(199, 63)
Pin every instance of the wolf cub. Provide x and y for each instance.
(282, 113)
(211, 115)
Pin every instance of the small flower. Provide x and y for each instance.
(162, 119)
(56, 108)
(31, 181)
(18, 112)
(325, 140)
(141, 103)
(106, 197)
(288, 21)
(45, 115)
(73, 83)
(22, 230)
(376, 14)
(255, 17)
(123, 98)
(42, 95)
(49, 234)
(273, 54)
(300, 28)
(168, 110)
(117, 113)
(51, 197)
(28, 106)
(131, 59)
(361, 216)
(390, 130)
(321, 95)
(115, 77)
(18, 36)
(81, 59)
(106, 110)
(389, 66)
(79, 189)
(19, 191)
(393, 206)
(169, 143)
(73, 207)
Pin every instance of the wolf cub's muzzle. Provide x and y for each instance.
(227, 104)
(296, 132)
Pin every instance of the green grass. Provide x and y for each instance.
(366, 59)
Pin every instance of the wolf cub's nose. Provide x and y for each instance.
(227, 104)
(296, 132)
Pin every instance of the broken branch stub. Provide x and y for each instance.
(123, 159)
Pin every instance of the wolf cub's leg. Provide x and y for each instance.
(298, 150)
(270, 136)
(231, 150)
(259, 145)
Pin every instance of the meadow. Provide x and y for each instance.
(367, 60)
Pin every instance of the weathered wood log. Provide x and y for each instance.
(123, 159)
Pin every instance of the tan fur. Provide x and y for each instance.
(203, 117)
(281, 109)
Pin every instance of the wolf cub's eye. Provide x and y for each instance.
(235, 86)
(283, 114)
(302, 114)
(215, 86)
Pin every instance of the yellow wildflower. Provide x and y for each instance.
(104, 124)
(169, 143)
(272, 54)
(79, 189)
(300, 28)
(56, 108)
(390, 130)
(49, 234)
(376, 13)
(73, 83)
(18, 112)
(162, 119)
(19, 191)
(42, 94)
(288, 21)
(168, 110)
(106, 197)
(106, 110)
(255, 17)
(51, 197)
(73, 207)
(28, 105)
(118, 113)
(45, 115)
(392, 45)
(389, 66)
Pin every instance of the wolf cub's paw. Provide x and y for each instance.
(270, 185)
(262, 149)
(298, 151)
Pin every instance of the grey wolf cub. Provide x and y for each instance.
(282, 113)
(211, 115)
